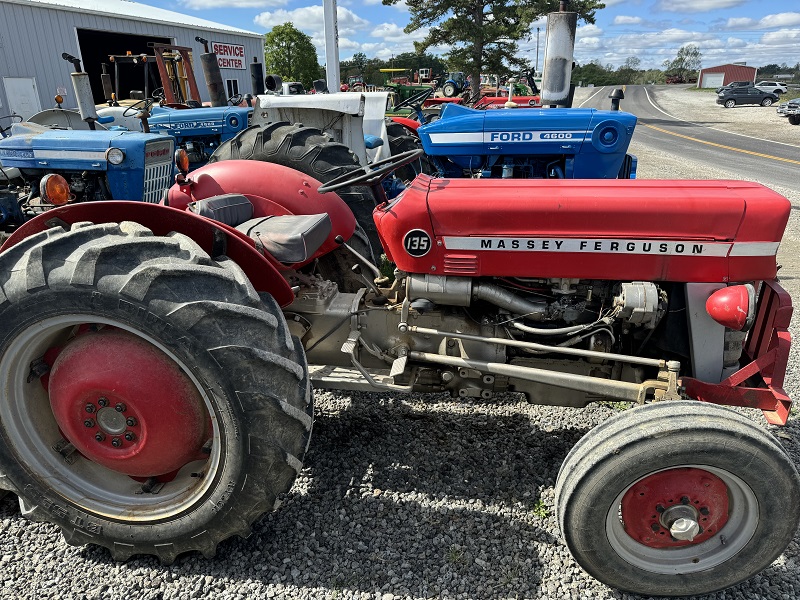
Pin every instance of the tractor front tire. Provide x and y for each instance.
(794, 119)
(94, 321)
(310, 151)
(449, 90)
(628, 482)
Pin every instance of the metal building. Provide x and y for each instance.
(34, 34)
(714, 77)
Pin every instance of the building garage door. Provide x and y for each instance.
(712, 80)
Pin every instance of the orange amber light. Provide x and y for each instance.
(54, 189)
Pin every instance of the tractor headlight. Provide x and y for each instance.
(115, 156)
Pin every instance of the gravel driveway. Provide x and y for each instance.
(405, 496)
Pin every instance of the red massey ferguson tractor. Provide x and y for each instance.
(157, 394)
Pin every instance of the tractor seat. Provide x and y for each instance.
(289, 238)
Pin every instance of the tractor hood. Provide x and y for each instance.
(34, 146)
(593, 141)
(649, 230)
(198, 121)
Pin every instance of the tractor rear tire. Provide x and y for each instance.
(310, 151)
(406, 143)
(717, 468)
(794, 119)
(245, 381)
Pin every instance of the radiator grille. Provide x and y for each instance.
(157, 169)
(461, 264)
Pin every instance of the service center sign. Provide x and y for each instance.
(229, 56)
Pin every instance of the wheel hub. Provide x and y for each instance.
(126, 405)
(674, 508)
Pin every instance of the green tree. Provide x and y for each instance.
(288, 52)
(483, 34)
(686, 63)
(359, 61)
(629, 72)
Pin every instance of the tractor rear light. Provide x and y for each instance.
(733, 307)
(182, 161)
(115, 156)
(54, 189)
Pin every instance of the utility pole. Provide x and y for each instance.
(331, 45)
(536, 69)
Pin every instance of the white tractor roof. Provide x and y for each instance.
(126, 9)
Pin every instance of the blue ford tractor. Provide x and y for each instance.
(97, 165)
(532, 143)
(199, 131)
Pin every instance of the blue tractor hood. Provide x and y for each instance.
(594, 142)
(198, 121)
(33, 146)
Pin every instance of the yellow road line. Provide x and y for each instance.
(686, 137)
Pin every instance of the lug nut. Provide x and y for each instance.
(90, 408)
(129, 436)
(102, 401)
(116, 442)
(130, 422)
(99, 437)
(120, 407)
(88, 423)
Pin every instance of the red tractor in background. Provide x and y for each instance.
(571, 291)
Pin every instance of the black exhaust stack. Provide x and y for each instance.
(257, 77)
(212, 74)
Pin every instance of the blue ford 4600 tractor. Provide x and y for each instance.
(199, 131)
(97, 165)
(531, 143)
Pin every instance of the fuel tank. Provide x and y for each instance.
(651, 230)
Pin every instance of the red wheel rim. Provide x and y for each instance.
(124, 404)
(644, 505)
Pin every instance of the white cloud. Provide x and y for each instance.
(310, 19)
(613, 2)
(696, 6)
(208, 4)
(740, 23)
(588, 31)
(787, 37)
(625, 20)
(391, 32)
(787, 19)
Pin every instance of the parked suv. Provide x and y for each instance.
(735, 84)
(745, 95)
(772, 86)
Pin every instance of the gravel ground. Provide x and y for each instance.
(401, 497)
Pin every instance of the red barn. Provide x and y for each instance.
(714, 77)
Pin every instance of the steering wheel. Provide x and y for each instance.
(134, 108)
(373, 173)
(235, 100)
(158, 94)
(413, 101)
(12, 117)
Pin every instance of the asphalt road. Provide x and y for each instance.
(767, 162)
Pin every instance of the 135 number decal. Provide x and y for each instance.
(417, 242)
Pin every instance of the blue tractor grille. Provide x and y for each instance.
(157, 169)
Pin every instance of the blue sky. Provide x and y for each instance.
(755, 31)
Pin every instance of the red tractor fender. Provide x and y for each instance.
(407, 123)
(213, 237)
